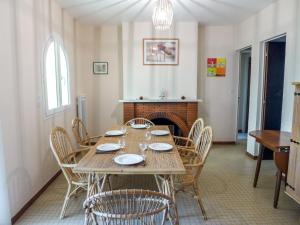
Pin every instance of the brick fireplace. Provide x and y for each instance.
(182, 113)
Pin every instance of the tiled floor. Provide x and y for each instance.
(227, 194)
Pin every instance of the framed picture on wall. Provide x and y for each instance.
(100, 68)
(216, 67)
(160, 51)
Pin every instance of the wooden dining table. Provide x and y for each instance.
(162, 165)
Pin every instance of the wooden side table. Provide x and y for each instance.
(279, 143)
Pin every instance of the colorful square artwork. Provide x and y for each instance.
(216, 67)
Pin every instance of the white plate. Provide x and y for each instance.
(139, 126)
(128, 159)
(160, 147)
(160, 132)
(108, 147)
(114, 133)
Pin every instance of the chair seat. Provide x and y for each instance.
(80, 182)
(188, 179)
(184, 180)
(79, 179)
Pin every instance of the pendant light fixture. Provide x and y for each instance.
(162, 15)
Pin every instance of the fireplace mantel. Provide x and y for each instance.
(183, 113)
(158, 100)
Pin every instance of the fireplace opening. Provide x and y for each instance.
(174, 128)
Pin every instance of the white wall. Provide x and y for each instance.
(4, 206)
(278, 18)
(25, 27)
(103, 91)
(148, 81)
(218, 93)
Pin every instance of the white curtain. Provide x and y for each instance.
(4, 206)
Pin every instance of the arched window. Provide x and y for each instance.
(56, 77)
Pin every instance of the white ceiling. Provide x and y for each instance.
(208, 12)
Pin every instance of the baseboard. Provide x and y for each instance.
(251, 156)
(224, 142)
(32, 200)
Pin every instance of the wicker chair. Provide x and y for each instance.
(194, 161)
(193, 135)
(204, 142)
(66, 157)
(130, 207)
(140, 121)
(81, 135)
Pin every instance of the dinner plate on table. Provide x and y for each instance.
(128, 159)
(139, 126)
(114, 133)
(108, 147)
(161, 147)
(160, 132)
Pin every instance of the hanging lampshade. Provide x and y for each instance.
(162, 15)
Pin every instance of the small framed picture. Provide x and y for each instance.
(100, 68)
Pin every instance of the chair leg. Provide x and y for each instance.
(67, 197)
(76, 192)
(197, 192)
(109, 183)
(94, 219)
(87, 219)
(277, 189)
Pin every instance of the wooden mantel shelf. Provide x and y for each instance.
(158, 100)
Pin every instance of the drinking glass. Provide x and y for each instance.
(148, 136)
(124, 129)
(143, 147)
(122, 142)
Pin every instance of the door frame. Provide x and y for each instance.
(263, 73)
(238, 88)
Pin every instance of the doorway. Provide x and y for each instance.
(274, 66)
(244, 94)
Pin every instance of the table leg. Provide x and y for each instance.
(258, 164)
(158, 180)
(101, 179)
(277, 189)
(90, 191)
(165, 185)
(96, 184)
(172, 187)
(91, 185)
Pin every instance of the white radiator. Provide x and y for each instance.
(82, 109)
